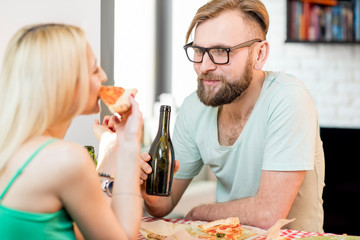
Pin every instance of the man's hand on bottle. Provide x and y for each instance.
(146, 168)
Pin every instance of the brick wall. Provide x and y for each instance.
(330, 71)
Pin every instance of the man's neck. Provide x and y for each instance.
(242, 107)
(233, 117)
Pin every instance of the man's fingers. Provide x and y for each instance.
(177, 166)
(143, 176)
(145, 167)
(145, 156)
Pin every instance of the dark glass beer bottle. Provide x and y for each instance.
(162, 158)
(91, 151)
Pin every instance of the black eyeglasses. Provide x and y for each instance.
(218, 55)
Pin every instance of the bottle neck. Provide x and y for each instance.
(164, 122)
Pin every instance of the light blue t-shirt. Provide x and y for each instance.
(281, 134)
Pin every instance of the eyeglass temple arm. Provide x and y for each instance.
(246, 44)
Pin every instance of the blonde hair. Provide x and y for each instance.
(252, 11)
(44, 82)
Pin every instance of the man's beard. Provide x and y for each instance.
(228, 92)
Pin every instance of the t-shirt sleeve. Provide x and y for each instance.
(184, 143)
(291, 130)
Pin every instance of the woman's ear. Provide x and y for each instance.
(262, 54)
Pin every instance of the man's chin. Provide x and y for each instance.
(209, 104)
(207, 94)
(207, 101)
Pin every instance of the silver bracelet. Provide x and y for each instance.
(107, 185)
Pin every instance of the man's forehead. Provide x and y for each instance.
(228, 27)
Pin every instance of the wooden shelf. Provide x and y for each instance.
(323, 42)
(323, 21)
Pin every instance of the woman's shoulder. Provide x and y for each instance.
(62, 149)
(65, 156)
(50, 167)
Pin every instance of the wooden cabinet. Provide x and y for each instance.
(325, 21)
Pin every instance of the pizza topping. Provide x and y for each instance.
(220, 235)
(229, 228)
(110, 94)
(116, 98)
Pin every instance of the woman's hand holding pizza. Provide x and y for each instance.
(117, 132)
(128, 123)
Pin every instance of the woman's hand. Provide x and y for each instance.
(117, 132)
(105, 127)
(127, 125)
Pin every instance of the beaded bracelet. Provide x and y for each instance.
(101, 174)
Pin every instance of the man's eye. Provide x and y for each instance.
(219, 51)
(198, 51)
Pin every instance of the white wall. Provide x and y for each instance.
(134, 62)
(183, 75)
(85, 13)
(330, 71)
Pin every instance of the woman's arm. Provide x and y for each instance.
(119, 156)
(81, 192)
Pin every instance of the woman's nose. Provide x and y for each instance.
(103, 76)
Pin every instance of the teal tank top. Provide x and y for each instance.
(15, 224)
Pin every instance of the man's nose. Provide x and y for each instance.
(207, 64)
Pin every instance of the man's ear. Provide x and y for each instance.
(262, 54)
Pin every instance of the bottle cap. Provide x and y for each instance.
(165, 108)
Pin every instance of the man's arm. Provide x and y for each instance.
(276, 194)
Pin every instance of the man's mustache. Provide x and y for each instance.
(210, 76)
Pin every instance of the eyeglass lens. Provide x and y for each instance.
(218, 55)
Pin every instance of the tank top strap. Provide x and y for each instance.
(25, 164)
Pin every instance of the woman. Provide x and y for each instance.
(50, 76)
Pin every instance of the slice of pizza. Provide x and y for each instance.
(224, 229)
(228, 228)
(116, 98)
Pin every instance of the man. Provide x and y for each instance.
(258, 131)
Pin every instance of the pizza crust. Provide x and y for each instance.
(227, 221)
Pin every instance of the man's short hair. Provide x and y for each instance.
(253, 11)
